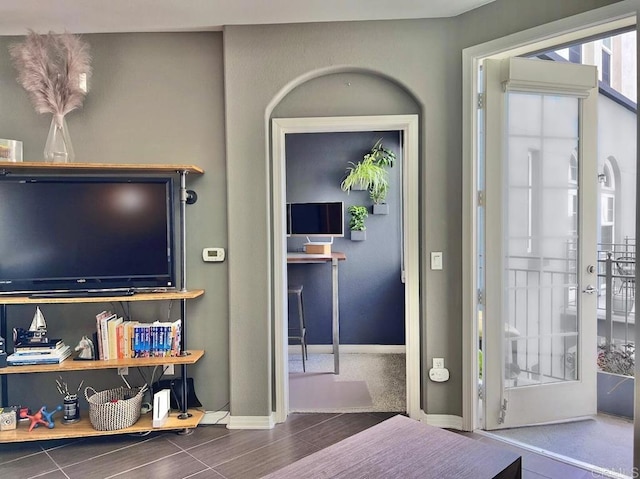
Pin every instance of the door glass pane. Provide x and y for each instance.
(541, 197)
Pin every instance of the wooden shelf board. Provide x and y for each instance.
(110, 167)
(69, 364)
(164, 296)
(83, 428)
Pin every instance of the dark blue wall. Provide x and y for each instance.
(371, 292)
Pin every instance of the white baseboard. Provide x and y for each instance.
(215, 417)
(251, 422)
(447, 421)
(350, 349)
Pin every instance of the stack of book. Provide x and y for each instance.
(120, 339)
(53, 351)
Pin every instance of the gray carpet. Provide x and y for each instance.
(367, 382)
(605, 441)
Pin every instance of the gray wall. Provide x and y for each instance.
(154, 98)
(262, 63)
(370, 289)
(159, 98)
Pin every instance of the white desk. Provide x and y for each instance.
(333, 258)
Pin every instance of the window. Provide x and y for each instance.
(606, 61)
(533, 199)
(575, 54)
(607, 205)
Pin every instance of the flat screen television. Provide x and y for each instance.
(315, 219)
(85, 234)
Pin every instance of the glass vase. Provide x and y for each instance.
(58, 148)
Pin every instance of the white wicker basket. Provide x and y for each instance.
(114, 409)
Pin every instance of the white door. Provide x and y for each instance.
(540, 196)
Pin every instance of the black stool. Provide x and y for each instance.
(299, 333)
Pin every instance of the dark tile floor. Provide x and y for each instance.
(215, 452)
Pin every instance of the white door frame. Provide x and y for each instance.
(408, 125)
(580, 26)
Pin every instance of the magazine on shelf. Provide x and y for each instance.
(39, 352)
(26, 359)
(44, 346)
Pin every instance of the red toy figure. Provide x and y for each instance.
(35, 419)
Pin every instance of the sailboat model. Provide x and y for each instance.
(38, 328)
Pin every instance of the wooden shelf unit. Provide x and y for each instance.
(83, 428)
(162, 296)
(30, 166)
(191, 357)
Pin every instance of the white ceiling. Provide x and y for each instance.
(102, 16)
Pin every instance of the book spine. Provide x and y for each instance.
(105, 338)
(120, 340)
(98, 342)
(147, 341)
(136, 341)
(153, 346)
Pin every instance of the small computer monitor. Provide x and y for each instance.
(315, 219)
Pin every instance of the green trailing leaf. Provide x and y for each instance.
(370, 173)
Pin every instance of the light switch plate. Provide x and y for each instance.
(436, 260)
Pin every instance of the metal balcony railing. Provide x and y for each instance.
(616, 293)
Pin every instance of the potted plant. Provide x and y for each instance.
(370, 174)
(364, 175)
(356, 223)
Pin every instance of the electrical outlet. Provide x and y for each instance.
(168, 370)
(438, 363)
(123, 371)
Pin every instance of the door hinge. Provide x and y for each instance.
(480, 297)
(480, 101)
(503, 412)
(480, 198)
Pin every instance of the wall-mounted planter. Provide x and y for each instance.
(381, 209)
(358, 235)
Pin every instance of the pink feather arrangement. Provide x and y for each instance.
(54, 69)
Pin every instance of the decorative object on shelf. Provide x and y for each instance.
(370, 174)
(7, 419)
(34, 419)
(70, 400)
(10, 150)
(36, 336)
(48, 415)
(54, 69)
(38, 324)
(71, 409)
(114, 409)
(356, 223)
(86, 348)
